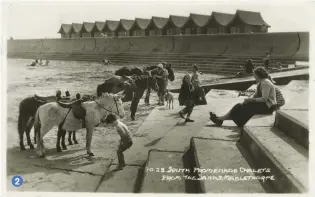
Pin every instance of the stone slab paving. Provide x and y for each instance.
(220, 154)
(119, 181)
(158, 178)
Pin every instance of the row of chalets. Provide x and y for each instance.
(216, 23)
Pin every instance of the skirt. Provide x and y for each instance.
(241, 113)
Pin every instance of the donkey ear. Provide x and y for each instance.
(119, 96)
(120, 93)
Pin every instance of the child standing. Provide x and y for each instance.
(125, 141)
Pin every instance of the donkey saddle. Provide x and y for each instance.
(78, 111)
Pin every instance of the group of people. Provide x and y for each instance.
(191, 94)
(266, 99)
(249, 66)
(39, 62)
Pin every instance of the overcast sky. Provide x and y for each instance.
(25, 20)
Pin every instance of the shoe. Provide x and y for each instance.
(215, 120)
(212, 114)
(181, 115)
(189, 120)
(120, 167)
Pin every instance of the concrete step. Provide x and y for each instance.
(294, 123)
(271, 149)
(156, 56)
(124, 181)
(220, 155)
(158, 178)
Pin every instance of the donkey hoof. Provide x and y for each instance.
(64, 148)
(90, 154)
(59, 150)
(70, 143)
(22, 148)
(31, 146)
(132, 118)
(76, 142)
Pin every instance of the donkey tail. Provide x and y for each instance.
(20, 123)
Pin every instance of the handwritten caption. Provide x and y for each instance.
(212, 174)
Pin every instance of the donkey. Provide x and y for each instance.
(27, 110)
(133, 92)
(53, 114)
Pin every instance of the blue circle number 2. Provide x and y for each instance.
(17, 181)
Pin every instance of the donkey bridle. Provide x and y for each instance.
(111, 111)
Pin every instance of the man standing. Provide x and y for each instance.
(266, 60)
(163, 81)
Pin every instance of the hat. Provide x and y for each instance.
(160, 65)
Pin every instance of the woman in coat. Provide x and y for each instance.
(186, 97)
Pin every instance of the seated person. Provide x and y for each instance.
(263, 102)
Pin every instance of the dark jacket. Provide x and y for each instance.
(186, 93)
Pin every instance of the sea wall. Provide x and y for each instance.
(293, 45)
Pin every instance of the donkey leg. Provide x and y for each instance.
(28, 131)
(135, 102)
(63, 134)
(21, 128)
(89, 135)
(69, 138)
(74, 137)
(147, 96)
(59, 135)
(38, 137)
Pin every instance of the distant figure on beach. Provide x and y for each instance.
(58, 95)
(46, 63)
(248, 69)
(279, 66)
(267, 60)
(106, 62)
(125, 138)
(40, 62)
(186, 98)
(263, 102)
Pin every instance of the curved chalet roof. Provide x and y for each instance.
(199, 20)
(178, 21)
(250, 18)
(100, 25)
(112, 25)
(159, 22)
(77, 27)
(142, 23)
(88, 26)
(222, 18)
(126, 24)
(65, 28)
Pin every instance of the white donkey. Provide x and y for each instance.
(52, 114)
